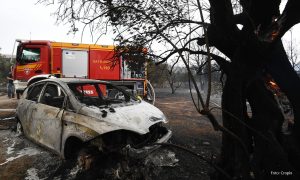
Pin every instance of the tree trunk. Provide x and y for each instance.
(289, 82)
(234, 156)
(268, 157)
(265, 143)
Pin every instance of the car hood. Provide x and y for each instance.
(137, 117)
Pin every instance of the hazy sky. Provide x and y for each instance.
(22, 19)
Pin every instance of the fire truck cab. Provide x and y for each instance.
(37, 60)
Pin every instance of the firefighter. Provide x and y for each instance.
(10, 85)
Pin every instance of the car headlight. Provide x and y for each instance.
(155, 119)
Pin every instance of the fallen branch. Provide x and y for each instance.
(220, 170)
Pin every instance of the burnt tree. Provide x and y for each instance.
(253, 146)
(254, 50)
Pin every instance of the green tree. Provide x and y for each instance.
(4, 67)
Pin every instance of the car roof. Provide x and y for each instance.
(74, 80)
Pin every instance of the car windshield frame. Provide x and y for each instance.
(99, 100)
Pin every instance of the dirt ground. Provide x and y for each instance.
(22, 159)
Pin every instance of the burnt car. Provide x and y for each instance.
(69, 114)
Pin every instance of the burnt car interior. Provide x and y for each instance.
(34, 92)
(52, 95)
(99, 94)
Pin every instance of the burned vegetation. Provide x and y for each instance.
(247, 35)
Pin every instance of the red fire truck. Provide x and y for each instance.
(37, 60)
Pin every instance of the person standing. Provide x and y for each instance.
(10, 85)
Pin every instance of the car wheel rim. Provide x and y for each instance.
(85, 160)
(19, 128)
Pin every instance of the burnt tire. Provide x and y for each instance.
(72, 147)
(87, 156)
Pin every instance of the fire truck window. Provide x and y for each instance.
(31, 55)
(34, 92)
(134, 69)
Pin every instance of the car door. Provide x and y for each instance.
(26, 107)
(47, 115)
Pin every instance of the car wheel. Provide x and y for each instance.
(19, 128)
(87, 157)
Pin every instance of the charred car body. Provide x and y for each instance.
(66, 115)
